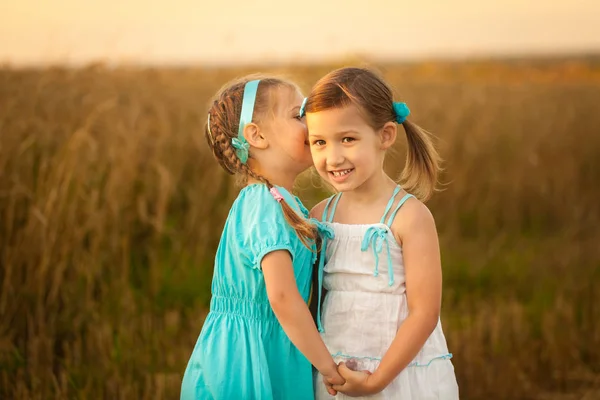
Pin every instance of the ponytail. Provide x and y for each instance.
(420, 173)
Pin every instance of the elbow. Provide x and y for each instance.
(279, 300)
(431, 322)
(428, 319)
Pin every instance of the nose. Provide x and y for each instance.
(335, 156)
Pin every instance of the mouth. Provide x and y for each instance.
(340, 175)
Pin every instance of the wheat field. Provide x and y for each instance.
(111, 209)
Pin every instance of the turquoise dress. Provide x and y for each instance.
(242, 351)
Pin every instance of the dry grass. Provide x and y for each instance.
(111, 209)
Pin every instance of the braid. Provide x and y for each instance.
(305, 230)
(221, 144)
(221, 127)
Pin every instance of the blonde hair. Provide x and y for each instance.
(224, 118)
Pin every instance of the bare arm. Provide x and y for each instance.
(423, 269)
(421, 252)
(293, 314)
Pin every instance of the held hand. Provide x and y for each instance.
(358, 383)
(353, 365)
(332, 378)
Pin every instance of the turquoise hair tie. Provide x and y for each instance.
(402, 111)
(302, 112)
(241, 147)
(240, 144)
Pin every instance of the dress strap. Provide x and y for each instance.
(326, 209)
(390, 203)
(400, 203)
(326, 234)
(377, 236)
(326, 217)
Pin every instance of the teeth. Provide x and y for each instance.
(341, 173)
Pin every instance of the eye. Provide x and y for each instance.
(318, 142)
(348, 140)
(299, 117)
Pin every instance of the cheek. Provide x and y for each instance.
(355, 154)
(300, 136)
(318, 159)
(314, 153)
(364, 154)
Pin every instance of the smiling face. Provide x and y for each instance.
(346, 150)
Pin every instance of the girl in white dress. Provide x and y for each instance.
(381, 266)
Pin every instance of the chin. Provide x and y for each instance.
(346, 186)
(341, 187)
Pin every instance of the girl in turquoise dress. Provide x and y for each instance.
(259, 339)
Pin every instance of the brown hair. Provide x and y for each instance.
(374, 98)
(224, 118)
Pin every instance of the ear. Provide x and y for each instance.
(254, 136)
(388, 135)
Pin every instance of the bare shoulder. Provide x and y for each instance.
(413, 217)
(317, 211)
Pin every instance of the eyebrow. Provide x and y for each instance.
(341, 133)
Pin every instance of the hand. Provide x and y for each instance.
(358, 383)
(332, 378)
(353, 365)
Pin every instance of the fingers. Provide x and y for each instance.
(328, 386)
(334, 380)
(338, 388)
(352, 364)
(347, 372)
(343, 370)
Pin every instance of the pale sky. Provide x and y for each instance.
(255, 31)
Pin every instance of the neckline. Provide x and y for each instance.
(300, 207)
(282, 189)
(362, 226)
(263, 184)
(329, 215)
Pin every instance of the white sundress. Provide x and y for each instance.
(366, 304)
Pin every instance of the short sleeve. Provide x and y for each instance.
(263, 227)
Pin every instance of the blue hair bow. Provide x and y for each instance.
(241, 147)
(402, 111)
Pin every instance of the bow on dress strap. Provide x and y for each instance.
(375, 237)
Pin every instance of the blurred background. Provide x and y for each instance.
(111, 205)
